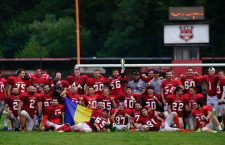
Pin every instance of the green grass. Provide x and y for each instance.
(119, 138)
(113, 138)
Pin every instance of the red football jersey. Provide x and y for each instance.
(106, 101)
(73, 96)
(211, 82)
(128, 100)
(152, 123)
(3, 83)
(97, 84)
(102, 121)
(117, 85)
(30, 103)
(20, 84)
(136, 114)
(193, 99)
(46, 98)
(91, 101)
(188, 82)
(62, 84)
(78, 82)
(54, 113)
(39, 82)
(150, 101)
(177, 104)
(120, 118)
(219, 88)
(13, 103)
(200, 115)
(146, 79)
(169, 86)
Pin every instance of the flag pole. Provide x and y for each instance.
(77, 30)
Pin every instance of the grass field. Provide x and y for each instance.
(119, 138)
(113, 138)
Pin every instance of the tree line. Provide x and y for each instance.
(108, 28)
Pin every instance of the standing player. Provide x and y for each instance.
(39, 79)
(77, 80)
(3, 84)
(11, 110)
(167, 88)
(211, 80)
(97, 82)
(221, 94)
(20, 82)
(137, 85)
(29, 103)
(156, 82)
(58, 78)
(147, 78)
(117, 82)
(190, 80)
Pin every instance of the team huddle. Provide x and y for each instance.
(144, 102)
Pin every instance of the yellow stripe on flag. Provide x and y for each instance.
(82, 114)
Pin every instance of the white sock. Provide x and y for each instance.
(219, 127)
(6, 121)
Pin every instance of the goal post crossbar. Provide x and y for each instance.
(154, 65)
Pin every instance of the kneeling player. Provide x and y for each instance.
(29, 103)
(99, 124)
(11, 110)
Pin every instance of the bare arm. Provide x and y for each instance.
(39, 105)
(9, 88)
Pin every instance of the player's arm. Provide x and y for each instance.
(194, 124)
(113, 115)
(97, 127)
(209, 115)
(187, 108)
(81, 101)
(169, 108)
(157, 101)
(156, 115)
(9, 88)
(114, 105)
(223, 94)
(5, 91)
(39, 107)
(20, 107)
(162, 95)
(142, 92)
(63, 93)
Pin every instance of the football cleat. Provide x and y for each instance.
(125, 129)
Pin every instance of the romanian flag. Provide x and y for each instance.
(75, 113)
